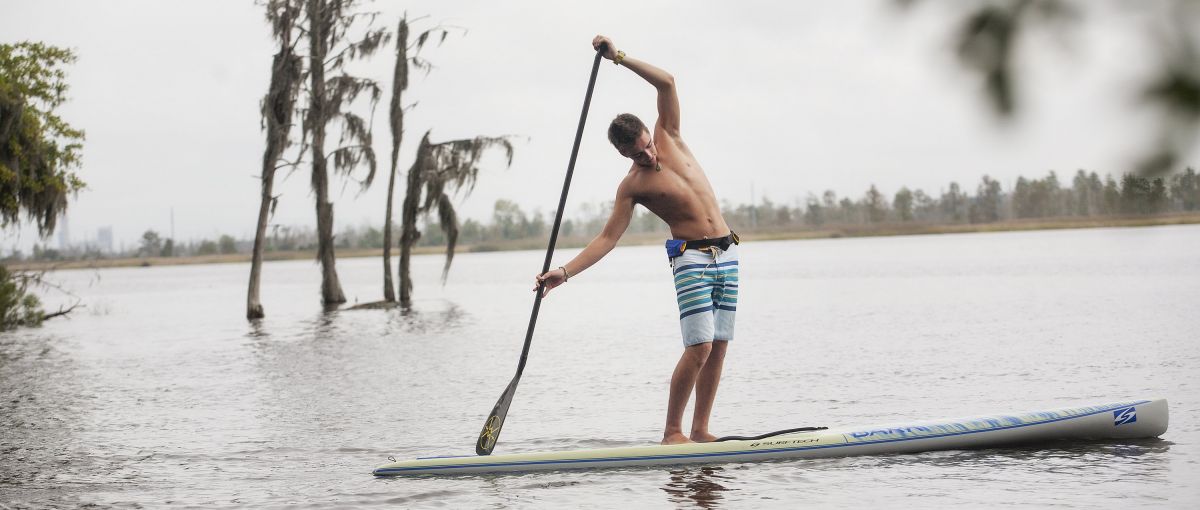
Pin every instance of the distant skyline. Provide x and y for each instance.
(782, 98)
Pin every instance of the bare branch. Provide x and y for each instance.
(61, 311)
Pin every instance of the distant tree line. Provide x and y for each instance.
(1087, 196)
(1048, 197)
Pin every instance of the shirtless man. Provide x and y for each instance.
(666, 179)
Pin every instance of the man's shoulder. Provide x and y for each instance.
(670, 142)
(662, 134)
(636, 183)
(629, 183)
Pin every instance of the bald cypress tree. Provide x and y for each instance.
(406, 56)
(278, 108)
(317, 86)
(440, 169)
(331, 92)
(396, 117)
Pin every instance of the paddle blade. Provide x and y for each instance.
(495, 421)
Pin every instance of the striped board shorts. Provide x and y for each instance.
(706, 288)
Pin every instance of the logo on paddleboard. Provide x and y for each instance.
(1124, 416)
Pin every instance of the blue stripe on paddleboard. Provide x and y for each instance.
(1105, 409)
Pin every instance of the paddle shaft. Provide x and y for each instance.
(495, 421)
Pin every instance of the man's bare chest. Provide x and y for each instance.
(669, 187)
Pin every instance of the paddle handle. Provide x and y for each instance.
(562, 204)
(491, 428)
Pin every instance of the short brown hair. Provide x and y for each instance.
(625, 130)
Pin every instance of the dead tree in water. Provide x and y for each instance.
(329, 93)
(327, 25)
(399, 85)
(406, 55)
(278, 107)
(439, 167)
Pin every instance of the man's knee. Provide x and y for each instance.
(698, 353)
(718, 349)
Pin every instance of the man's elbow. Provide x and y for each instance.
(666, 82)
(605, 242)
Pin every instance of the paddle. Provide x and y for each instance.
(491, 428)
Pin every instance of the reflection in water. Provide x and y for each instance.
(1143, 457)
(257, 331)
(1144, 461)
(316, 381)
(697, 486)
(397, 320)
(324, 325)
(412, 320)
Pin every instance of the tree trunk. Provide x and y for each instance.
(277, 109)
(396, 111)
(389, 294)
(408, 222)
(331, 288)
(254, 309)
(405, 279)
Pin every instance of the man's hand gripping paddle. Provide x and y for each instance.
(495, 421)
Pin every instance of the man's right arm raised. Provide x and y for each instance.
(663, 82)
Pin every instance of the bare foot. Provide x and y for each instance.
(703, 437)
(675, 438)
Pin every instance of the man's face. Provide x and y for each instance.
(642, 151)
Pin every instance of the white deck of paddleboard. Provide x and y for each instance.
(1129, 419)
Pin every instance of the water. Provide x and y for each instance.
(159, 392)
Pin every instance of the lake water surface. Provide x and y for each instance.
(160, 392)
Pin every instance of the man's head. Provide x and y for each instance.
(631, 138)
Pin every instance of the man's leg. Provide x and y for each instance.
(706, 391)
(683, 380)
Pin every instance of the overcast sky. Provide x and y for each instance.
(778, 98)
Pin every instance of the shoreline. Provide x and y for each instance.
(642, 239)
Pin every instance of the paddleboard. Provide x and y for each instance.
(1118, 420)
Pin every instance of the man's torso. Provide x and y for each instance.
(678, 192)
